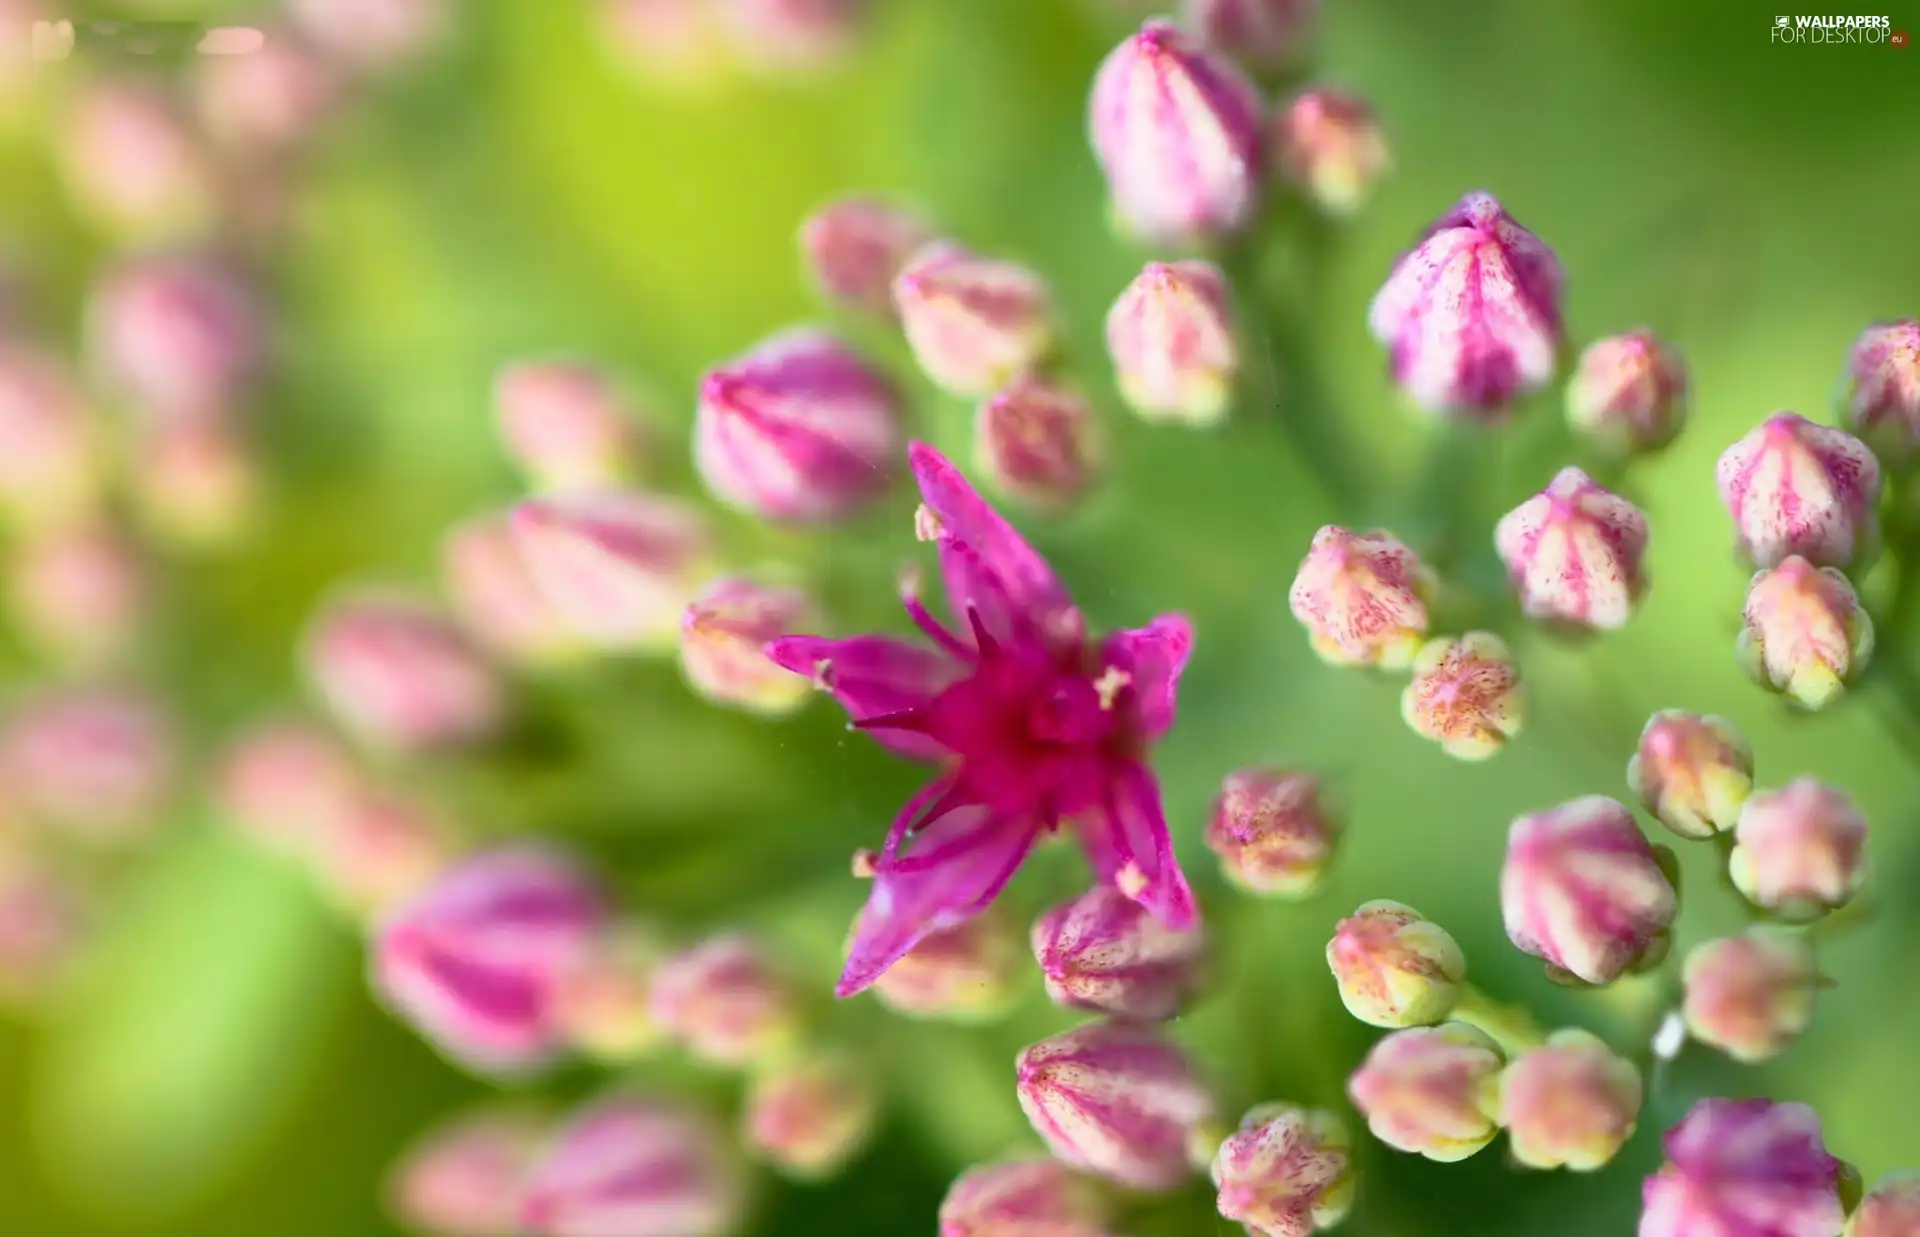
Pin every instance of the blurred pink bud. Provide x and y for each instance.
(1287, 1172)
(1883, 388)
(1891, 1209)
(475, 963)
(283, 782)
(1583, 890)
(496, 598)
(134, 164)
(799, 428)
(565, 426)
(1692, 772)
(973, 323)
(1038, 1197)
(605, 998)
(1328, 144)
(793, 36)
(1806, 633)
(1796, 488)
(724, 1001)
(468, 1177)
(198, 483)
(1465, 695)
(670, 42)
(1272, 833)
(1799, 851)
(1628, 393)
(50, 459)
(1744, 1168)
(379, 849)
(398, 674)
(1362, 598)
(1177, 128)
(179, 337)
(1751, 995)
(854, 247)
(633, 1166)
(268, 100)
(1116, 1099)
(1432, 1091)
(722, 638)
(371, 35)
(95, 762)
(810, 1116)
(44, 918)
(964, 973)
(1103, 951)
(1174, 343)
(1395, 967)
(1262, 34)
(79, 594)
(1039, 442)
(619, 566)
(1569, 1104)
(1471, 315)
(1575, 553)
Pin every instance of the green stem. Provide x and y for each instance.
(1510, 1026)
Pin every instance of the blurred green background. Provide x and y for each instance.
(219, 1068)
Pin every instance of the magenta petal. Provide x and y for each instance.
(1153, 658)
(1128, 844)
(872, 676)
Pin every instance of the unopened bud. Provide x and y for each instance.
(1751, 995)
(133, 163)
(636, 1167)
(1038, 1196)
(496, 598)
(973, 323)
(1883, 388)
(565, 426)
(1262, 34)
(378, 849)
(1174, 343)
(782, 37)
(96, 763)
(1744, 1168)
(283, 782)
(724, 1001)
(1103, 951)
(399, 675)
(198, 483)
(1038, 442)
(1272, 833)
(468, 1176)
(268, 100)
(371, 35)
(1799, 851)
(723, 635)
(50, 459)
(1395, 968)
(1574, 553)
(605, 998)
(1806, 633)
(619, 566)
(854, 247)
(179, 337)
(1328, 144)
(1570, 1103)
(1432, 1091)
(1362, 598)
(1287, 1172)
(964, 973)
(1583, 890)
(79, 594)
(1795, 488)
(1692, 772)
(1891, 1209)
(809, 1117)
(1466, 695)
(1628, 394)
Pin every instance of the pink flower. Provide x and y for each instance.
(1806, 634)
(1265, 34)
(1466, 695)
(619, 566)
(1272, 833)
(283, 782)
(1796, 488)
(134, 162)
(79, 594)
(1582, 889)
(722, 635)
(1173, 341)
(495, 596)
(1103, 951)
(268, 100)
(397, 673)
(95, 763)
(1751, 995)
(1038, 1198)
(723, 1000)
(1039, 442)
(51, 465)
(632, 1166)
(468, 1177)
(1287, 1172)
(1799, 851)
(1692, 772)
(180, 337)
(1362, 598)
(973, 323)
(1432, 1091)
(1570, 1103)
(1471, 316)
(1040, 729)
(1574, 553)
(1883, 377)
(810, 1116)
(1744, 1168)
(1892, 1209)
(1328, 144)
(378, 849)
(564, 424)
(1628, 393)
(854, 247)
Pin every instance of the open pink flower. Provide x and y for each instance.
(1036, 727)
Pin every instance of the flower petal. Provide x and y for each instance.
(1153, 658)
(1130, 847)
(872, 676)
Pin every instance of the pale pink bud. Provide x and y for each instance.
(1038, 442)
(724, 1001)
(95, 762)
(379, 848)
(1271, 831)
(964, 973)
(1744, 1168)
(399, 675)
(1395, 967)
(1751, 995)
(605, 998)
(668, 42)
(619, 566)
(1471, 315)
(793, 36)
(1328, 144)
(283, 783)
(1574, 553)
(179, 337)
(1465, 695)
(1103, 951)
(1362, 598)
(1799, 851)
(268, 100)
(723, 635)
(1176, 127)
(1583, 890)
(565, 426)
(1883, 388)
(198, 483)
(1287, 1172)
(809, 1117)
(1806, 633)
(50, 462)
(1262, 34)
(1628, 393)
(79, 594)
(1432, 1091)
(44, 919)
(371, 35)
(632, 1166)
(1891, 1209)
(854, 247)
(1692, 772)
(1174, 343)
(972, 322)
(134, 164)
(1569, 1104)
(1037, 1197)
(475, 963)
(495, 597)
(799, 428)
(468, 1177)
(1796, 488)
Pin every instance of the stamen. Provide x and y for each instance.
(1130, 880)
(823, 675)
(927, 525)
(865, 864)
(1110, 684)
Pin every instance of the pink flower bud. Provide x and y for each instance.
(1465, 695)
(198, 483)
(1692, 772)
(1574, 553)
(1883, 388)
(378, 850)
(1471, 316)
(1177, 130)
(1744, 1168)
(468, 1177)
(724, 1001)
(722, 638)
(619, 566)
(44, 920)
(1272, 833)
(1263, 34)
(1362, 598)
(399, 675)
(1628, 393)
(1751, 995)
(496, 598)
(1583, 889)
(97, 763)
(1174, 343)
(1103, 951)
(793, 36)
(50, 461)
(1570, 1104)
(1039, 442)
(972, 323)
(800, 428)
(605, 1007)
(854, 247)
(565, 426)
(268, 100)
(809, 1117)
(1287, 1172)
(133, 164)
(960, 974)
(1395, 968)
(178, 337)
(1796, 488)
(1892, 1209)
(1432, 1091)
(1039, 1197)
(634, 1167)
(1116, 1099)
(283, 783)
(79, 594)
(1806, 632)
(475, 963)
(1799, 851)
(371, 35)
(1329, 145)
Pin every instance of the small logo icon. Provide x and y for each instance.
(1899, 38)
(1783, 22)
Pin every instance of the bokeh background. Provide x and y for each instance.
(216, 1066)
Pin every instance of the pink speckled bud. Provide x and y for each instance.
(1271, 831)
(1103, 951)
(1115, 1099)
(973, 323)
(380, 848)
(1287, 1172)
(1799, 851)
(1806, 633)
(1751, 995)
(78, 594)
(95, 763)
(1890, 1209)
(1039, 1197)
(633, 1166)
(782, 37)
(45, 917)
(1883, 388)
(1328, 144)
(1628, 394)
(1174, 343)
(1362, 598)
(724, 1001)
(371, 35)
(1796, 488)
(1465, 695)
(965, 973)
(1395, 967)
(1176, 128)
(51, 465)
(1262, 34)
(1471, 316)
(1692, 772)
(400, 675)
(605, 998)
(476, 962)
(1583, 889)
(565, 426)
(1432, 1091)
(854, 247)
(133, 163)
(1574, 553)
(810, 1116)
(496, 598)
(1569, 1104)
(268, 100)
(180, 338)
(282, 783)
(198, 483)
(468, 1177)
(1038, 441)
(722, 637)
(1744, 1168)
(619, 566)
